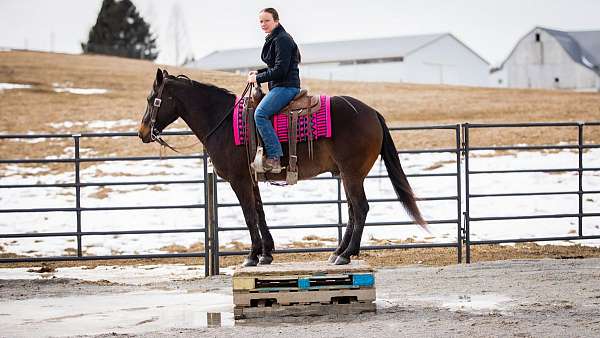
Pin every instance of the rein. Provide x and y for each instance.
(155, 134)
(229, 111)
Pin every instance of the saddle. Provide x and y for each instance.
(301, 105)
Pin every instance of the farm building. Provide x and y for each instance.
(547, 58)
(432, 59)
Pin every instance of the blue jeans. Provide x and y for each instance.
(271, 104)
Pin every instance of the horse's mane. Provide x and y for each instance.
(204, 86)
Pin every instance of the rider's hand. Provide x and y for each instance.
(252, 78)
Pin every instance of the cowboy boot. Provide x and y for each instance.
(273, 165)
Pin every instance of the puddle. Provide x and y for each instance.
(135, 312)
(471, 303)
(468, 303)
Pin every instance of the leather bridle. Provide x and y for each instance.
(156, 104)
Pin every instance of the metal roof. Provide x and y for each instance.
(334, 51)
(582, 46)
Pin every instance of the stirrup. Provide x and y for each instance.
(257, 164)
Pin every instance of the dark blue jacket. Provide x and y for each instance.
(282, 57)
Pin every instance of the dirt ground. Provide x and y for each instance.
(514, 298)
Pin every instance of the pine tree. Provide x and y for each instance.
(121, 31)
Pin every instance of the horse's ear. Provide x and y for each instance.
(165, 74)
(159, 77)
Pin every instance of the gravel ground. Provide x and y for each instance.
(548, 297)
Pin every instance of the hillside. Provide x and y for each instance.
(42, 109)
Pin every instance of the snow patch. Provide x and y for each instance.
(326, 213)
(96, 125)
(6, 86)
(81, 91)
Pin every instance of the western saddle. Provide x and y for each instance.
(301, 105)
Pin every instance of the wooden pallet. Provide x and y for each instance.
(306, 288)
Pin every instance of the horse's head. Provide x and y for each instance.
(161, 108)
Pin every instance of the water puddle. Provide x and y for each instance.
(470, 303)
(467, 303)
(135, 312)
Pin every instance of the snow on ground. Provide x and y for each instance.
(319, 190)
(96, 125)
(6, 86)
(124, 274)
(79, 91)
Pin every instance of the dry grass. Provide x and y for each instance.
(129, 81)
(377, 258)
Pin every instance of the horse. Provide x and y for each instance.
(360, 135)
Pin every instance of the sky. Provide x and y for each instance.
(489, 27)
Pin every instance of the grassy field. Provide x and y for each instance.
(129, 81)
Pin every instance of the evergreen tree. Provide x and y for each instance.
(121, 31)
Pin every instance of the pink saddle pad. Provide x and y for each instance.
(319, 128)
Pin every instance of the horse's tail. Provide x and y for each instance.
(397, 176)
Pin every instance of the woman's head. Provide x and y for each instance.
(269, 19)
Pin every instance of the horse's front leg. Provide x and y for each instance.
(267, 239)
(244, 193)
(347, 235)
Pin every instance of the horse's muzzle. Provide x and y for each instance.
(144, 133)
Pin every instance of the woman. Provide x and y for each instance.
(282, 57)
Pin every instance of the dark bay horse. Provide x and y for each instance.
(360, 135)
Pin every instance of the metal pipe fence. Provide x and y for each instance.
(80, 210)
(460, 149)
(578, 168)
(339, 201)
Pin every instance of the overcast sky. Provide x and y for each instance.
(490, 27)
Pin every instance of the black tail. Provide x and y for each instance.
(397, 176)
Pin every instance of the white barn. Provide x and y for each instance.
(547, 58)
(427, 59)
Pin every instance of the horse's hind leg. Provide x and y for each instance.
(266, 238)
(347, 235)
(356, 194)
(245, 195)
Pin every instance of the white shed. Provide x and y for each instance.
(547, 58)
(430, 59)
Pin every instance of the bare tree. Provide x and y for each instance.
(178, 40)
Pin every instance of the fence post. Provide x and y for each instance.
(339, 207)
(207, 250)
(458, 195)
(76, 138)
(580, 173)
(467, 237)
(211, 226)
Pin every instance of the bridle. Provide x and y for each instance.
(155, 133)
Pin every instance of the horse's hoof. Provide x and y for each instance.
(249, 262)
(332, 258)
(340, 260)
(265, 260)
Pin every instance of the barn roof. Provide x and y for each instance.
(333, 51)
(582, 46)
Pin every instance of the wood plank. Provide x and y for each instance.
(302, 268)
(285, 298)
(243, 283)
(288, 289)
(304, 310)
